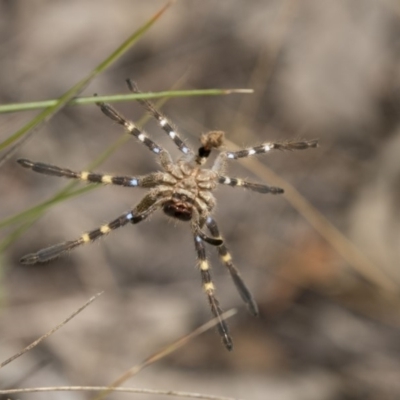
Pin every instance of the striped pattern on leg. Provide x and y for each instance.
(130, 127)
(209, 289)
(266, 147)
(146, 206)
(198, 232)
(59, 249)
(90, 177)
(162, 120)
(226, 259)
(256, 187)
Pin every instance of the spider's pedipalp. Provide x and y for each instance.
(209, 289)
(210, 140)
(214, 241)
(226, 259)
(199, 217)
(255, 187)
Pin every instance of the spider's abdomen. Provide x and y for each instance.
(179, 209)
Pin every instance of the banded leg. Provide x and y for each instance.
(266, 147)
(147, 181)
(135, 216)
(256, 187)
(113, 114)
(196, 223)
(162, 120)
(207, 239)
(209, 289)
(226, 259)
(220, 161)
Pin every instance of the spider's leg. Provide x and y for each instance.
(209, 289)
(113, 114)
(256, 187)
(165, 158)
(147, 181)
(227, 261)
(210, 240)
(266, 147)
(198, 220)
(220, 161)
(138, 214)
(162, 120)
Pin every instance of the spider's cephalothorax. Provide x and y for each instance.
(183, 189)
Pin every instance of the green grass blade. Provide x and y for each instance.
(34, 105)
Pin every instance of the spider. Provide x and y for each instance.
(183, 190)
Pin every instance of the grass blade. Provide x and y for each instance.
(34, 105)
(51, 331)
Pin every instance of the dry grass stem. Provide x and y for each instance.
(163, 353)
(46, 335)
(175, 393)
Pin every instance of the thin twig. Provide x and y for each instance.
(176, 393)
(163, 353)
(56, 328)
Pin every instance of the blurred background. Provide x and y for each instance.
(322, 260)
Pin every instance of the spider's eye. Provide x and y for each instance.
(178, 210)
